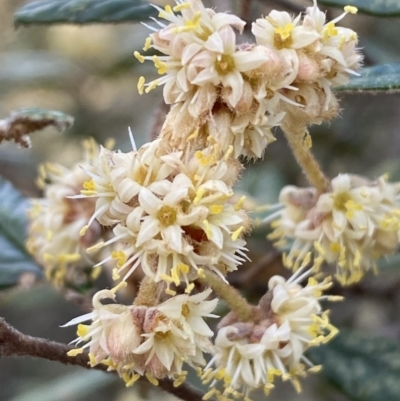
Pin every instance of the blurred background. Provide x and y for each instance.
(90, 73)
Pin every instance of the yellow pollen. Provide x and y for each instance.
(122, 284)
(208, 229)
(96, 272)
(168, 9)
(151, 379)
(147, 45)
(189, 288)
(335, 247)
(216, 209)
(199, 195)
(330, 30)
(83, 330)
(75, 352)
(166, 278)
(168, 291)
(318, 247)
(284, 32)
(200, 273)
(236, 234)
(92, 360)
(240, 203)
(166, 216)
(152, 86)
(208, 395)
(193, 135)
(140, 85)
(89, 185)
(180, 7)
(95, 248)
(225, 64)
(160, 65)
(351, 9)
(139, 57)
(132, 380)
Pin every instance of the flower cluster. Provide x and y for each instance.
(168, 209)
(169, 212)
(57, 220)
(147, 341)
(234, 94)
(352, 224)
(249, 355)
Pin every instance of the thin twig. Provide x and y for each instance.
(14, 343)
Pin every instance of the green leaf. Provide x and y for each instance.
(364, 367)
(83, 12)
(14, 259)
(380, 78)
(382, 8)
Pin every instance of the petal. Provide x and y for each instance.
(149, 202)
(149, 228)
(173, 236)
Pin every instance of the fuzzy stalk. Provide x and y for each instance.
(147, 295)
(300, 144)
(238, 304)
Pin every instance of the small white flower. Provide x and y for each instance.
(352, 225)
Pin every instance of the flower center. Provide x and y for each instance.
(185, 310)
(225, 64)
(283, 36)
(167, 216)
(341, 200)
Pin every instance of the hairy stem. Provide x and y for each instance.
(147, 295)
(14, 343)
(300, 143)
(238, 304)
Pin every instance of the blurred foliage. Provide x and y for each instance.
(365, 368)
(381, 8)
(385, 77)
(15, 261)
(83, 12)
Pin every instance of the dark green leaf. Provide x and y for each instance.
(14, 259)
(380, 78)
(383, 8)
(83, 12)
(364, 367)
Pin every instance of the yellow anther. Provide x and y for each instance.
(180, 7)
(284, 32)
(199, 195)
(236, 234)
(147, 44)
(152, 86)
(240, 203)
(166, 278)
(96, 272)
(82, 330)
(89, 185)
(189, 288)
(228, 153)
(201, 273)
(139, 57)
(208, 229)
(216, 209)
(168, 9)
(140, 85)
(92, 360)
(75, 352)
(95, 248)
(193, 135)
(168, 291)
(151, 379)
(351, 9)
(318, 247)
(122, 284)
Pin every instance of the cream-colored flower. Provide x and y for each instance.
(352, 225)
(180, 219)
(287, 321)
(279, 30)
(56, 222)
(151, 341)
